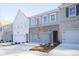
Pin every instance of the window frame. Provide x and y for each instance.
(43, 19)
(33, 21)
(38, 20)
(69, 11)
(51, 18)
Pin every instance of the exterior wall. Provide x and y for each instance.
(6, 33)
(47, 29)
(0, 32)
(67, 23)
(41, 21)
(42, 27)
(20, 28)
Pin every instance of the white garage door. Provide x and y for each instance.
(44, 37)
(71, 36)
(19, 38)
(34, 38)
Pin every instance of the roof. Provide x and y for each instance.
(27, 14)
(67, 4)
(46, 12)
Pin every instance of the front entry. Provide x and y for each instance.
(27, 38)
(55, 37)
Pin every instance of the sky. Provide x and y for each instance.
(8, 11)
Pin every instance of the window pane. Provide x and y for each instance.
(45, 19)
(37, 20)
(33, 22)
(52, 17)
(72, 11)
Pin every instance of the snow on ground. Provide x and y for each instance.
(65, 50)
(22, 49)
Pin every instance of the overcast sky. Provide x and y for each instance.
(9, 11)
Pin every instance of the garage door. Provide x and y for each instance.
(44, 37)
(34, 38)
(19, 38)
(71, 36)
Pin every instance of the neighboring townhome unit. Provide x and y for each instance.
(6, 34)
(21, 28)
(44, 27)
(69, 22)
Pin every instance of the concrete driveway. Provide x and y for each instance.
(65, 49)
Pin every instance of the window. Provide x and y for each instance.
(53, 17)
(72, 11)
(37, 20)
(45, 19)
(33, 21)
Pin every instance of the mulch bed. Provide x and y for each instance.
(42, 48)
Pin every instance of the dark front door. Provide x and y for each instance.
(27, 38)
(55, 36)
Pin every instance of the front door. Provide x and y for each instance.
(27, 38)
(55, 36)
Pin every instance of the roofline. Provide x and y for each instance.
(67, 5)
(46, 12)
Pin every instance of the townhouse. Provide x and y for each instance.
(21, 28)
(6, 34)
(44, 27)
(60, 25)
(69, 22)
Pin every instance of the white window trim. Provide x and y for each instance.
(40, 21)
(43, 19)
(51, 15)
(69, 11)
(33, 21)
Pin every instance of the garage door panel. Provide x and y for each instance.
(20, 38)
(44, 37)
(35, 39)
(71, 36)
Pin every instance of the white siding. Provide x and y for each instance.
(20, 27)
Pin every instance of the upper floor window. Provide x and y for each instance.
(45, 19)
(72, 11)
(53, 17)
(33, 21)
(37, 20)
